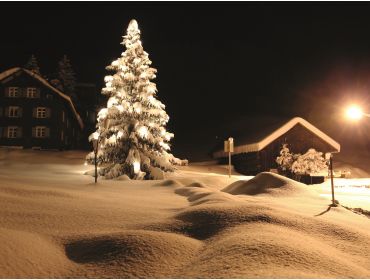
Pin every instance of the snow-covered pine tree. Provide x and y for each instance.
(286, 158)
(67, 77)
(33, 65)
(309, 163)
(132, 136)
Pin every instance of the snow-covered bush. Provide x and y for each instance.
(131, 129)
(286, 158)
(309, 163)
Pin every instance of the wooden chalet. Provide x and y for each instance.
(34, 114)
(258, 146)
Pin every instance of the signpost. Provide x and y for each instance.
(329, 157)
(229, 148)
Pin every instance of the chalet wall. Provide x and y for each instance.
(63, 132)
(299, 139)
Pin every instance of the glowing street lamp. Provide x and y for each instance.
(355, 113)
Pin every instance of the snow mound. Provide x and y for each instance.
(123, 177)
(90, 172)
(28, 255)
(133, 253)
(267, 183)
(168, 183)
(261, 250)
(198, 193)
(207, 220)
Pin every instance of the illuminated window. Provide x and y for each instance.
(41, 112)
(31, 92)
(13, 92)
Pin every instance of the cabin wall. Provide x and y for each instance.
(247, 163)
(299, 140)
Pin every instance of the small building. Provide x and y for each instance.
(34, 114)
(256, 149)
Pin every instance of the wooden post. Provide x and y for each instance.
(229, 164)
(229, 148)
(96, 166)
(332, 181)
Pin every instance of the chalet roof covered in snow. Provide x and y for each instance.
(260, 133)
(14, 70)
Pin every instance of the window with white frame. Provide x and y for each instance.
(14, 112)
(12, 132)
(41, 112)
(40, 132)
(31, 92)
(13, 92)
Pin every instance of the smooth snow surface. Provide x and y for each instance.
(198, 223)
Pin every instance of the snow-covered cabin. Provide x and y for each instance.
(257, 146)
(34, 114)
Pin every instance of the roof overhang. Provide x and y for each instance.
(258, 146)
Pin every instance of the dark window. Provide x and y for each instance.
(13, 92)
(14, 112)
(31, 92)
(13, 132)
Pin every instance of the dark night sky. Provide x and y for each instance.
(215, 60)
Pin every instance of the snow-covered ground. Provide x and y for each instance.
(55, 222)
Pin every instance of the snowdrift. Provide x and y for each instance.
(58, 224)
(132, 253)
(267, 183)
(30, 255)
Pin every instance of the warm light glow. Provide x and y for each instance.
(136, 165)
(354, 113)
(85, 163)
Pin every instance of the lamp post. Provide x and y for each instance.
(95, 142)
(329, 156)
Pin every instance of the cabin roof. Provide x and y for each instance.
(14, 70)
(263, 132)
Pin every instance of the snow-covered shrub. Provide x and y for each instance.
(309, 163)
(286, 158)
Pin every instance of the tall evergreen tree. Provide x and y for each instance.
(33, 65)
(131, 129)
(67, 76)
